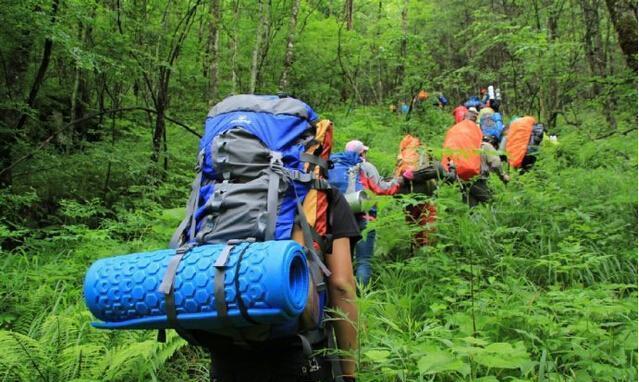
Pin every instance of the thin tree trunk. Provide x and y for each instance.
(79, 94)
(552, 87)
(42, 69)
(266, 42)
(290, 41)
(624, 18)
(259, 34)
(378, 34)
(403, 46)
(234, 37)
(161, 101)
(214, 43)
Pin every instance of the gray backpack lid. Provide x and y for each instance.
(264, 104)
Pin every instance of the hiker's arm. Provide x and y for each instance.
(494, 163)
(497, 168)
(373, 181)
(341, 288)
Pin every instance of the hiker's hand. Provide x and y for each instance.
(505, 178)
(408, 175)
(451, 176)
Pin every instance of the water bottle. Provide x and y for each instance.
(491, 92)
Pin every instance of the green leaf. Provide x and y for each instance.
(475, 341)
(502, 355)
(489, 378)
(439, 361)
(377, 355)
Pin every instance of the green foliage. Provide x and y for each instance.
(539, 285)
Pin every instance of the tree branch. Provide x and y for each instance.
(611, 133)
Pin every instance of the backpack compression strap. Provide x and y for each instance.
(220, 271)
(166, 287)
(272, 194)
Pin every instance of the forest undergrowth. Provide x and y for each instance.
(539, 285)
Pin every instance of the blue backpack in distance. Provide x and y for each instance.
(345, 172)
(473, 101)
(492, 125)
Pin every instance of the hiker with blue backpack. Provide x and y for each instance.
(263, 253)
(352, 174)
(491, 123)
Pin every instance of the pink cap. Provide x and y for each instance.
(356, 146)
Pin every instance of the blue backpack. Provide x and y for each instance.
(258, 160)
(344, 174)
(492, 125)
(473, 101)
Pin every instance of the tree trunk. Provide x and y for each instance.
(266, 42)
(9, 138)
(624, 18)
(259, 34)
(161, 99)
(234, 37)
(348, 13)
(80, 93)
(290, 41)
(214, 43)
(403, 46)
(378, 34)
(594, 52)
(551, 95)
(161, 102)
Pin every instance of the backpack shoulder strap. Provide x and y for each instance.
(178, 237)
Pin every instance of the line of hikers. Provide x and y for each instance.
(474, 147)
(265, 174)
(470, 155)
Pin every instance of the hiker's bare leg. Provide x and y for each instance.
(341, 286)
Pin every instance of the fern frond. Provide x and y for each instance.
(129, 362)
(22, 357)
(165, 351)
(80, 361)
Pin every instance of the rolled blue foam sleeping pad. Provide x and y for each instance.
(272, 280)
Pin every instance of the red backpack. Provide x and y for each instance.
(459, 113)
